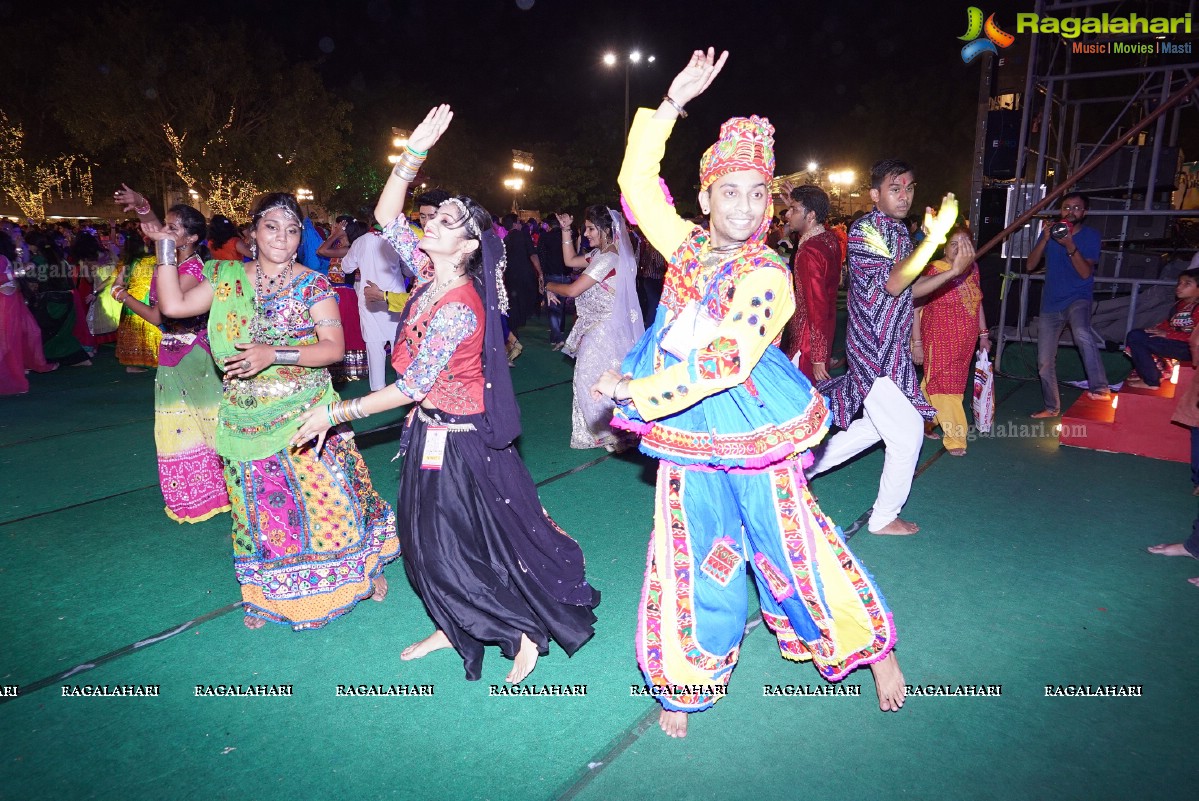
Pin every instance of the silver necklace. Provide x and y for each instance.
(431, 296)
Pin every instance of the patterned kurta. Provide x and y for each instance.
(816, 273)
(878, 340)
(949, 328)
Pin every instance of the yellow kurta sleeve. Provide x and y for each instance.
(638, 181)
(396, 301)
(761, 306)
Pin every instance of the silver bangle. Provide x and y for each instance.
(166, 253)
(328, 322)
(677, 107)
(286, 356)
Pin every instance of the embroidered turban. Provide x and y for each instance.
(745, 143)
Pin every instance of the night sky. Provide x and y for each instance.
(533, 74)
(845, 82)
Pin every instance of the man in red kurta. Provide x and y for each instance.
(816, 272)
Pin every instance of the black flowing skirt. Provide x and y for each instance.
(482, 554)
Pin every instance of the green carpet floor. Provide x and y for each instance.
(1029, 571)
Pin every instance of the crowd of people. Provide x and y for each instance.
(708, 344)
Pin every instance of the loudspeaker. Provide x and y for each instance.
(1141, 228)
(1003, 133)
(1130, 164)
(1128, 264)
(1011, 68)
(992, 210)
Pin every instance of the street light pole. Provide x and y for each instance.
(634, 57)
(626, 102)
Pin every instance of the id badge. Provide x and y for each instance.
(435, 437)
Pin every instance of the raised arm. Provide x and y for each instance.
(572, 258)
(130, 200)
(960, 254)
(175, 298)
(639, 174)
(336, 246)
(936, 225)
(395, 191)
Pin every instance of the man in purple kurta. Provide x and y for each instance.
(884, 276)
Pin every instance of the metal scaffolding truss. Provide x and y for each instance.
(1074, 120)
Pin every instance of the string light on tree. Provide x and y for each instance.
(228, 194)
(31, 186)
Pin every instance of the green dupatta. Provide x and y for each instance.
(258, 416)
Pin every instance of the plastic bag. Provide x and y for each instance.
(984, 393)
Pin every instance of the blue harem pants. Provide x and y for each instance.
(710, 527)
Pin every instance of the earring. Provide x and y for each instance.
(293, 261)
(254, 249)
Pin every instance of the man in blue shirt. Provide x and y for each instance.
(1070, 261)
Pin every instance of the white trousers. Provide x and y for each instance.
(376, 364)
(889, 416)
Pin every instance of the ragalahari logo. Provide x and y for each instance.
(975, 26)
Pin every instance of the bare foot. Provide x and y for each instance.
(135, 369)
(380, 592)
(1194, 581)
(898, 528)
(888, 682)
(673, 723)
(1045, 413)
(434, 642)
(253, 622)
(526, 660)
(1173, 549)
(956, 451)
(84, 363)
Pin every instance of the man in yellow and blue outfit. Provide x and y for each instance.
(731, 421)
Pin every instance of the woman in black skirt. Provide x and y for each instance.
(488, 563)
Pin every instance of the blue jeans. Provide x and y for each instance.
(1192, 543)
(1078, 316)
(1143, 347)
(557, 314)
